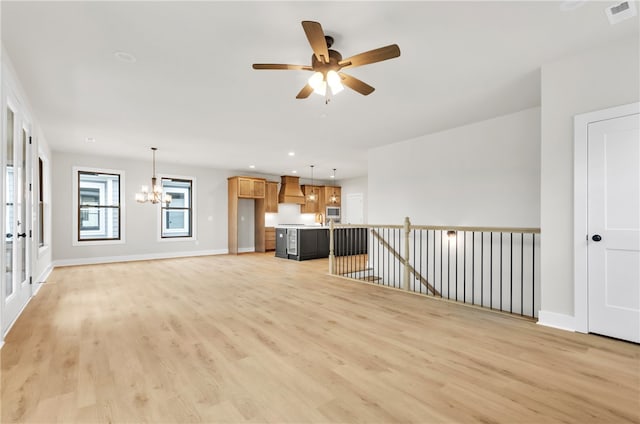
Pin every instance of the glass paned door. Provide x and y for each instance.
(9, 206)
(16, 284)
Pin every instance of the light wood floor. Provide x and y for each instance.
(259, 339)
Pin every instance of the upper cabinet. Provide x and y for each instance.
(332, 196)
(312, 205)
(250, 188)
(271, 197)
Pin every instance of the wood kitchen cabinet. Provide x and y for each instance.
(251, 188)
(269, 238)
(271, 197)
(312, 206)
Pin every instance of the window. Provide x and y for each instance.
(177, 216)
(40, 202)
(98, 206)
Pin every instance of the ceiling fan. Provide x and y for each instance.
(327, 64)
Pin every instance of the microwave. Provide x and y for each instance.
(333, 212)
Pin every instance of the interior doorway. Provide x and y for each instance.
(607, 232)
(16, 290)
(354, 209)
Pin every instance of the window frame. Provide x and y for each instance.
(190, 209)
(76, 241)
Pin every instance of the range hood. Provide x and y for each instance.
(290, 191)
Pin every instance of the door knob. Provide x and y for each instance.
(596, 237)
(22, 235)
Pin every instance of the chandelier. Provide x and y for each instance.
(155, 195)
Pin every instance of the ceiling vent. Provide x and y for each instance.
(621, 11)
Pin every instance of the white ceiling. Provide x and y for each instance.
(193, 94)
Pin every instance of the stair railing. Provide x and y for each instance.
(492, 267)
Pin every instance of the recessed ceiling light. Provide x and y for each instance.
(292, 153)
(125, 57)
(294, 172)
(252, 166)
(90, 140)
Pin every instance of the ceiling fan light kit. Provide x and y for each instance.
(327, 64)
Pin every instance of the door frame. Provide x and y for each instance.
(27, 127)
(23, 292)
(580, 224)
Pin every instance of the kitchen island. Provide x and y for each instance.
(303, 242)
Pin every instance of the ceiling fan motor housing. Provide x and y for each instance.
(319, 66)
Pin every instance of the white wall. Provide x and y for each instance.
(354, 186)
(601, 78)
(246, 225)
(141, 221)
(483, 174)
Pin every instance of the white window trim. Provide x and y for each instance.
(74, 206)
(194, 217)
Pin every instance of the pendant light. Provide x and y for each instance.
(333, 199)
(155, 195)
(312, 195)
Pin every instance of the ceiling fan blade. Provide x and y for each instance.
(372, 56)
(305, 92)
(315, 35)
(355, 84)
(281, 66)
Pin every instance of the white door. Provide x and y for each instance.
(354, 206)
(16, 291)
(614, 227)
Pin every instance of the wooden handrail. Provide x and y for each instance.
(336, 226)
(411, 268)
(525, 230)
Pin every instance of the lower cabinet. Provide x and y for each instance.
(269, 238)
(313, 244)
(281, 243)
(304, 244)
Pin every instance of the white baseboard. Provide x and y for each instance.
(130, 258)
(17, 316)
(556, 320)
(246, 249)
(42, 278)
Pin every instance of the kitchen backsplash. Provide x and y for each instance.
(288, 213)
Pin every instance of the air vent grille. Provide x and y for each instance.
(620, 12)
